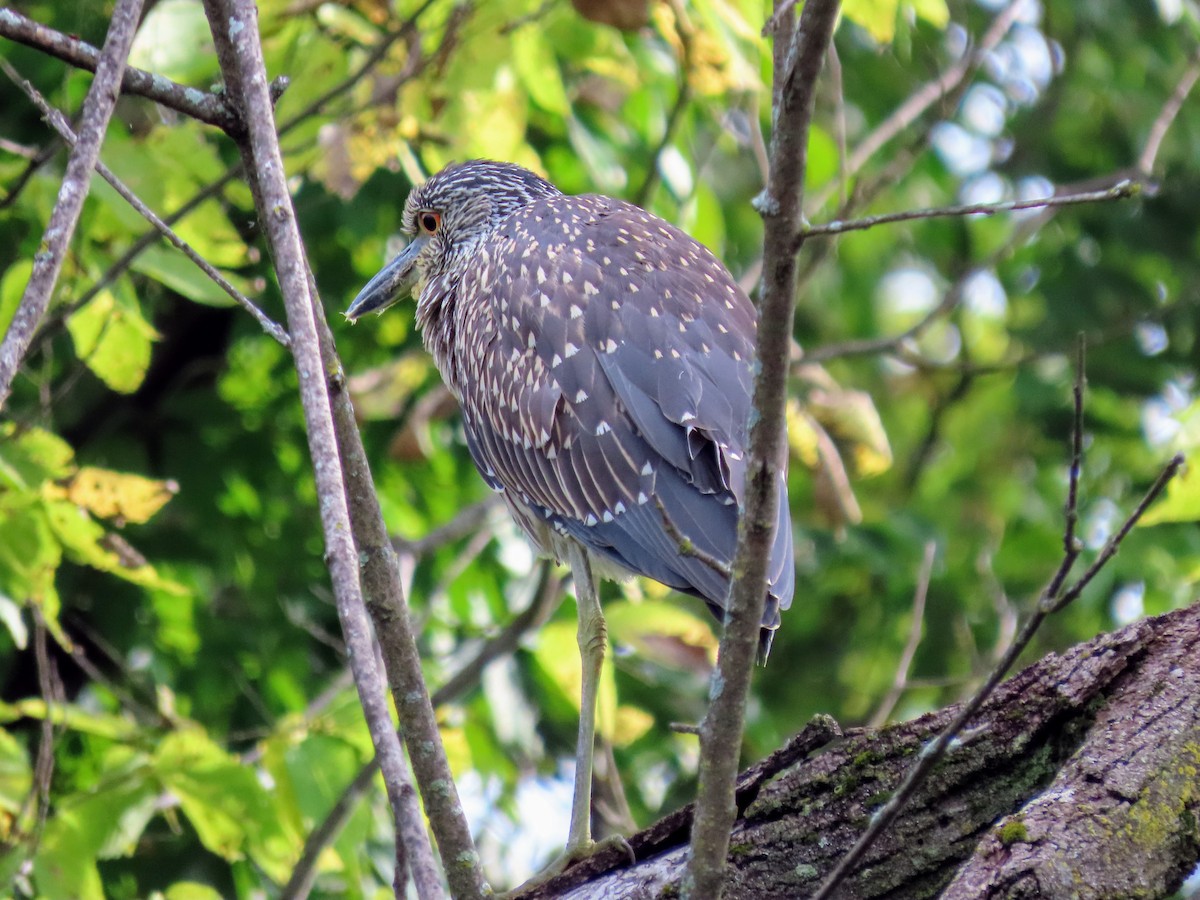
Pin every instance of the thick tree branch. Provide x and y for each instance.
(798, 58)
(1112, 723)
(97, 109)
(1054, 597)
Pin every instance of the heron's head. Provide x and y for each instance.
(449, 217)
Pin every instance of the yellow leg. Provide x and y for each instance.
(593, 642)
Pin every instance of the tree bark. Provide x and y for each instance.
(1080, 778)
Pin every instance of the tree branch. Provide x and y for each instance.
(1122, 190)
(234, 25)
(203, 105)
(798, 57)
(1053, 598)
(1110, 726)
(59, 123)
(97, 109)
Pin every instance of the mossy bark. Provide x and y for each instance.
(1080, 778)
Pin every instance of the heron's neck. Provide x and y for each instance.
(437, 323)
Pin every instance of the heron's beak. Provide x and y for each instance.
(394, 281)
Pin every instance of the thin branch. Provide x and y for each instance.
(59, 123)
(1052, 599)
(36, 161)
(1122, 190)
(468, 519)
(1166, 116)
(47, 263)
(234, 25)
(916, 627)
(203, 105)
(685, 546)
(683, 97)
(51, 691)
(799, 50)
(943, 87)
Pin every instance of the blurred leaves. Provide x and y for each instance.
(205, 729)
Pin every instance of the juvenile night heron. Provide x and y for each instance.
(602, 361)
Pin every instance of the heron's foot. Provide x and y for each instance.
(571, 856)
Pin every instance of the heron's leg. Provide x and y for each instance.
(593, 642)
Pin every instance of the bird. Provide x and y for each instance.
(602, 359)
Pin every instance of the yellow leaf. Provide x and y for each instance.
(118, 495)
(632, 723)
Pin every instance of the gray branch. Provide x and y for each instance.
(97, 110)
(798, 58)
(234, 24)
(203, 105)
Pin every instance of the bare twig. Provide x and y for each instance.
(799, 50)
(940, 88)
(51, 690)
(1052, 599)
(59, 123)
(97, 109)
(685, 546)
(916, 627)
(203, 105)
(1122, 190)
(1166, 116)
(683, 97)
(234, 25)
(36, 161)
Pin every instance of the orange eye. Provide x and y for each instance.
(430, 221)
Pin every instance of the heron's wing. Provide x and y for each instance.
(616, 372)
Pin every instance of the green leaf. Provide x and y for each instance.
(30, 457)
(171, 268)
(101, 823)
(86, 542)
(538, 70)
(190, 890)
(29, 554)
(71, 717)
(12, 287)
(222, 798)
(16, 775)
(113, 340)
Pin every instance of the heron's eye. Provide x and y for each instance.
(430, 221)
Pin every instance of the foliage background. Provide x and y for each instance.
(203, 721)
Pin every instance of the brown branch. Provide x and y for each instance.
(1069, 766)
(59, 123)
(203, 105)
(547, 597)
(47, 263)
(799, 51)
